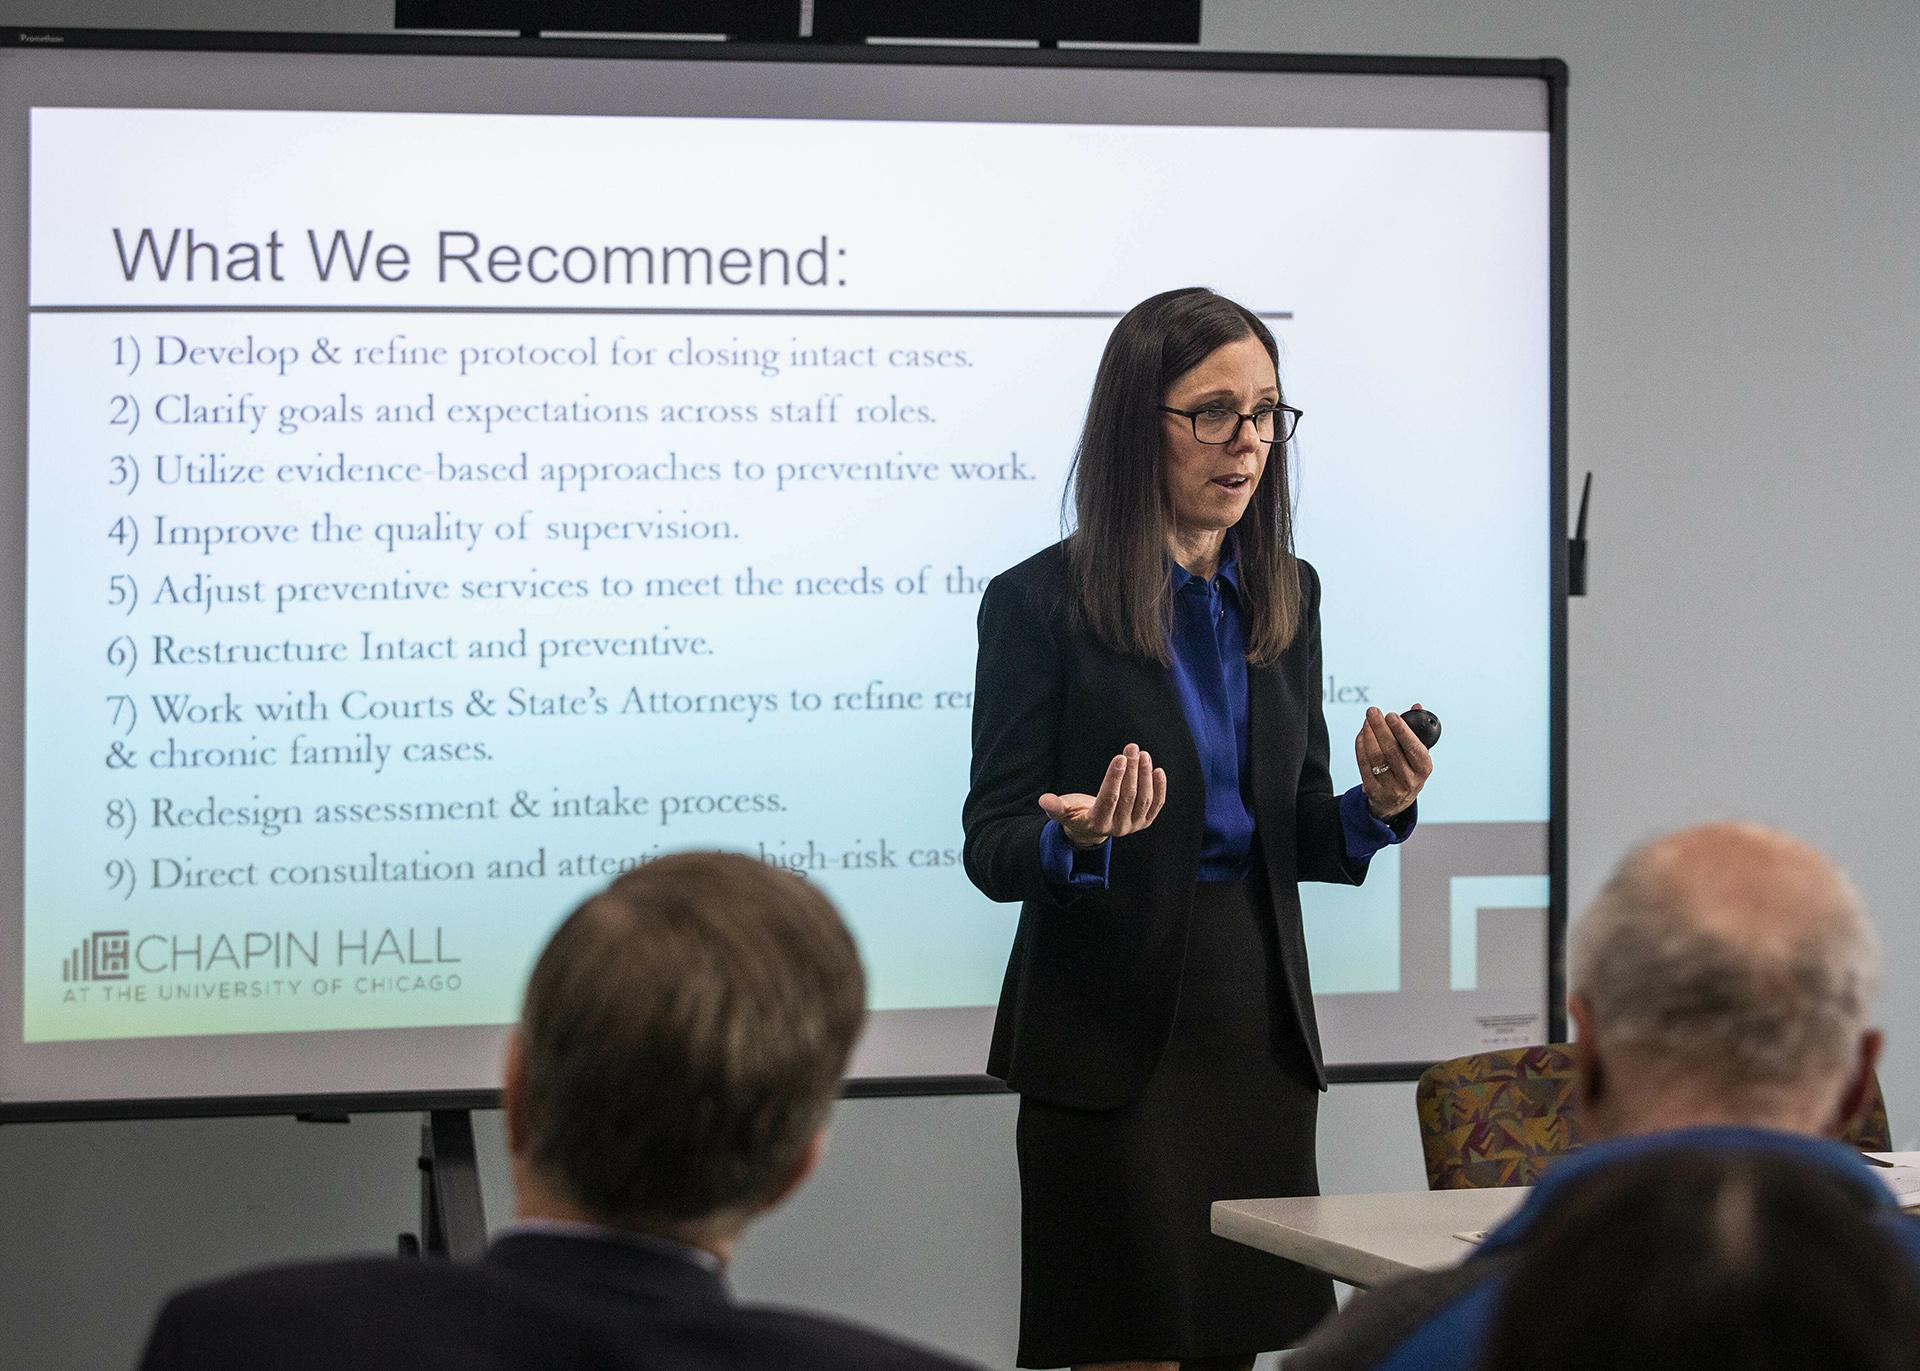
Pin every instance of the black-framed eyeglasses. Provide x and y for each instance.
(1218, 425)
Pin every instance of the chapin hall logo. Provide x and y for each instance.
(102, 957)
(258, 963)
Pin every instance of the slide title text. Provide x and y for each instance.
(184, 256)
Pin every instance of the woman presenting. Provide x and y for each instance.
(1150, 779)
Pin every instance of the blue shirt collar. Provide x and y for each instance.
(1228, 571)
(1826, 1152)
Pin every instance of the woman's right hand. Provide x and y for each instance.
(1130, 798)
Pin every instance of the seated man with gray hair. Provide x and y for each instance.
(1721, 986)
(682, 1042)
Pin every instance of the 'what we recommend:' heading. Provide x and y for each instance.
(183, 256)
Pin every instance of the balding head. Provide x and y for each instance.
(1725, 974)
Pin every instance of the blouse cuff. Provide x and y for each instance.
(1070, 867)
(1366, 834)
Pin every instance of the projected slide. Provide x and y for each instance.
(431, 516)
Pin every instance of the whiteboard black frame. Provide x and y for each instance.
(1551, 71)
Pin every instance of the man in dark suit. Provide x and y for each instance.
(682, 1041)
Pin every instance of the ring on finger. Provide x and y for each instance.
(1381, 770)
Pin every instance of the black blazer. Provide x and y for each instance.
(537, 1301)
(1091, 985)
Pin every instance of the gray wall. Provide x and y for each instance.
(1745, 356)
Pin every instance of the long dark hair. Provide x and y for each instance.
(1117, 555)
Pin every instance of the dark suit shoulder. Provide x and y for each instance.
(1041, 579)
(817, 1340)
(437, 1316)
(1030, 596)
(367, 1312)
(1023, 601)
(293, 1286)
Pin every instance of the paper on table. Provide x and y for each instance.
(1902, 1177)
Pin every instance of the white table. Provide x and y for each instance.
(1367, 1239)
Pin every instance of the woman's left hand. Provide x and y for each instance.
(1393, 763)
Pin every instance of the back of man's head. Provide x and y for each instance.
(682, 1041)
(1741, 1261)
(1724, 975)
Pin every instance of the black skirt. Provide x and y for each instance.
(1117, 1260)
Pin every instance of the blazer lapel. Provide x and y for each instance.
(1271, 754)
(1151, 685)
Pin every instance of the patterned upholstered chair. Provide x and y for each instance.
(1502, 1118)
(1871, 1132)
(1496, 1118)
